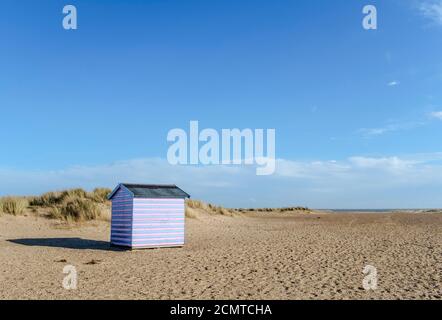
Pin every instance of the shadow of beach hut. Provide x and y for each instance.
(67, 243)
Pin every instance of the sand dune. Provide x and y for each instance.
(260, 256)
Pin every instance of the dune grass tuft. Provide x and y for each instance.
(46, 200)
(13, 205)
(191, 213)
(50, 199)
(100, 195)
(74, 205)
(76, 209)
(192, 207)
(80, 209)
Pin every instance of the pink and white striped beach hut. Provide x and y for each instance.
(147, 216)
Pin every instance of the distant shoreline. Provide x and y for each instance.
(379, 210)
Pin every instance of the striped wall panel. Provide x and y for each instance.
(158, 223)
(121, 226)
(147, 223)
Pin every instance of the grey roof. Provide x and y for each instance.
(152, 191)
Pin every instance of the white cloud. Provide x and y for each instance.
(393, 83)
(375, 131)
(392, 164)
(309, 170)
(399, 126)
(436, 115)
(407, 181)
(432, 10)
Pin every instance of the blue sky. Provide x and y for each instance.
(357, 113)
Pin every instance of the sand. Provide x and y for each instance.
(266, 256)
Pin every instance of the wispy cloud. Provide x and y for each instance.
(436, 115)
(400, 125)
(374, 131)
(393, 83)
(392, 164)
(393, 127)
(432, 10)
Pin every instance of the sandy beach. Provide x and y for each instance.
(260, 256)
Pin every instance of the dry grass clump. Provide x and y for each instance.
(100, 195)
(46, 199)
(50, 199)
(191, 213)
(56, 198)
(13, 205)
(76, 209)
(74, 204)
(195, 206)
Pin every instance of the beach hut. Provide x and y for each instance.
(147, 216)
